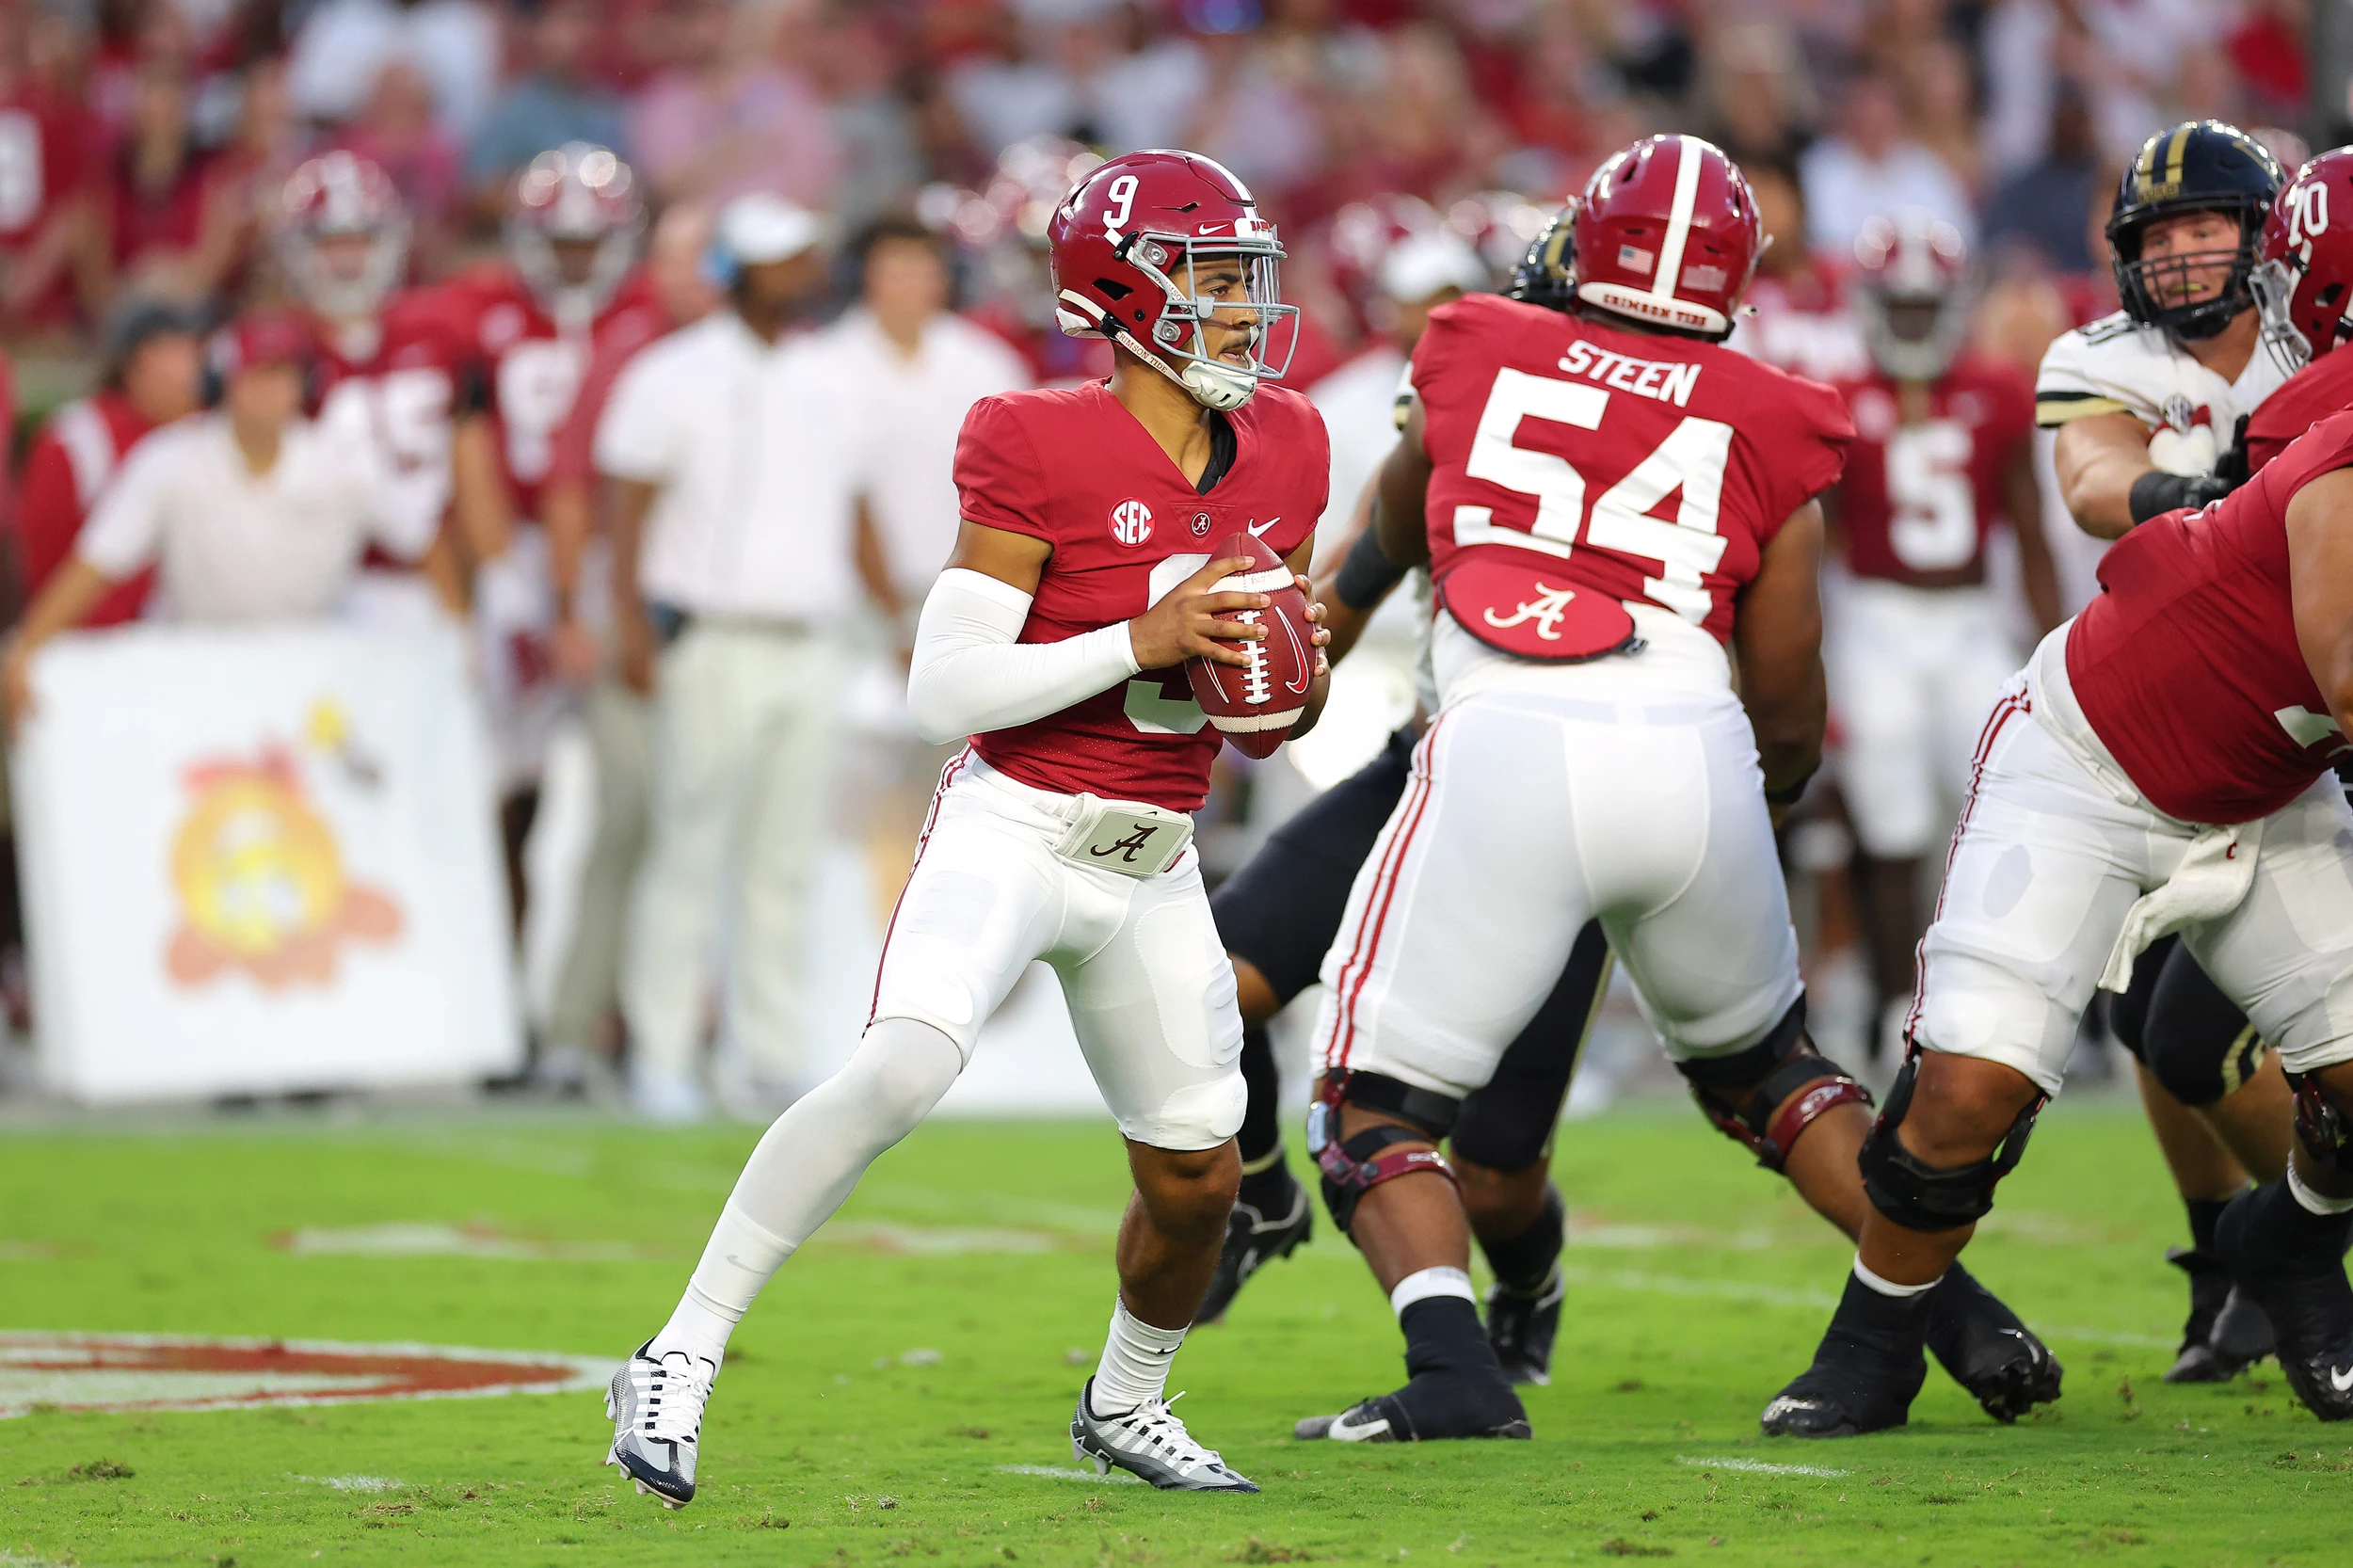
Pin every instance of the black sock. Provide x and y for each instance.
(2282, 1235)
(1523, 1264)
(1876, 1318)
(1266, 1181)
(2204, 1214)
(1443, 1335)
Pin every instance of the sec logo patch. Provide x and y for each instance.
(1131, 522)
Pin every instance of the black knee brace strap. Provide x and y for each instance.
(1781, 1065)
(2326, 1132)
(1917, 1195)
(1356, 1165)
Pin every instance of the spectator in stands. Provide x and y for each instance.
(345, 45)
(882, 156)
(554, 102)
(49, 163)
(396, 131)
(1871, 167)
(250, 513)
(734, 468)
(729, 117)
(1757, 93)
(2036, 214)
(153, 365)
(171, 234)
(619, 717)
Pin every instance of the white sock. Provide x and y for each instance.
(803, 1169)
(1426, 1283)
(2316, 1203)
(1135, 1362)
(1888, 1286)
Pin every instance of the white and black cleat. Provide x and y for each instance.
(1150, 1443)
(1253, 1241)
(656, 1404)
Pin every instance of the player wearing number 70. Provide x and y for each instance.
(1917, 646)
(1081, 585)
(1618, 513)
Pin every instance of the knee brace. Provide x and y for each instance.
(2325, 1131)
(1917, 1195)
(1356, 1165)
(1781, 1065)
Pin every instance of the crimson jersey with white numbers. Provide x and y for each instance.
(532, 368)
(1918, 500)
(2187, 665)
(1646, 468)
(1073, 467)
(399, 375)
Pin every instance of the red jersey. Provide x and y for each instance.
(403, 374)
(2187, 665)
(77, 451)
(534, 369)
(1642, 467)
(1918, 500)
(1072, 466)
(2323, 387)
(48, 146)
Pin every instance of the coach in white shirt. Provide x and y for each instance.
(250, 513)
(731, 464)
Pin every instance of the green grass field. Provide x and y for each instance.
(903, 1389)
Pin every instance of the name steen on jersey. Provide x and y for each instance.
(1662, 380)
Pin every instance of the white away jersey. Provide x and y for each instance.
(2115, 365)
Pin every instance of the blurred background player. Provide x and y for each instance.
(1917, 646)
(572, 236)
(2145, 403)
(1081, 512)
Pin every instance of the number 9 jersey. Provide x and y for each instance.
(1648, 468)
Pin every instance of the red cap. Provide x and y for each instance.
(264, 337)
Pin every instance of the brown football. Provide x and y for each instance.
(1255, 704)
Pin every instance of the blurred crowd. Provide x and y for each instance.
(472, 217)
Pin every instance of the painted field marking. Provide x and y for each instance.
(1063, 1472)
(1759, 1467)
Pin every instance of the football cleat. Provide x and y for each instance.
(1865, 1373)
(1253, 1241)
(1435, 1405)
(1522, 1328)
(1987, 1349)
(1151, 1443)
(2226, 1332)
(2311, 1307)
(656, 1404)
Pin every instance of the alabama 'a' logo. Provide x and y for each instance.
(1131, 522)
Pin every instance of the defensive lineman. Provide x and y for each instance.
(1591, 759)
(1056, 640)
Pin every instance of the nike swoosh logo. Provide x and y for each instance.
(1257, 530)
(1340, 1431)
(2341, 1381)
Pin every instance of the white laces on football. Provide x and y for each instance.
(1155, 1428)
(670, 1398)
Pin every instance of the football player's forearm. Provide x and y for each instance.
(970, 675)
(2097, 459)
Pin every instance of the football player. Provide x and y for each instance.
(2144, 402)
(1056, 639)
(2162, 765)
(1279, 914)
(1917, 646)
(1619, 513)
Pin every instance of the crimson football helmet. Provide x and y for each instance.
(1127, 245)
(1913, 292)
(2303, 277)
(326, 202)
(1667, 233)
(576, 194)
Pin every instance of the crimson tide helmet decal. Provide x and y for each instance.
(1667, 233)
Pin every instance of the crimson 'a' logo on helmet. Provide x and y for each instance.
(1131, 522)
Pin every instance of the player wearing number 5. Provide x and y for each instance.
(1618, 515)
(1085, 579)
(1917, 646)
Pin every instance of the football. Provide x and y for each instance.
(1255, 704)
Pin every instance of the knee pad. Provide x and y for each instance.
(1781, 1065)
(2323, 1130)
(1917, 1195)
(1356, 1165)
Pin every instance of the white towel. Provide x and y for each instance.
(2211, 881)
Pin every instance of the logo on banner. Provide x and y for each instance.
(258, 875)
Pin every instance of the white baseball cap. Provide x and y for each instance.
(1418, 266)
(759, 228)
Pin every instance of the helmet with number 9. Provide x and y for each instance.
(341, 235)
(1128, 244)
(1911, 289)
(1667, 234)
(581, 198)
(2303, 277)
(2199, 166)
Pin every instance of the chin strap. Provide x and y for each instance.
(1224, 392)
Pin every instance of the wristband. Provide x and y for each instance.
(1367, 574)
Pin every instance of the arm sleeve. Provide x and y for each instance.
(970, 675)
(996, 471)
(634, 438)
(126, 527)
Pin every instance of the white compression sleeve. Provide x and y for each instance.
(970, 675)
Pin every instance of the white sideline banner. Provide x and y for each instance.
(260, 861)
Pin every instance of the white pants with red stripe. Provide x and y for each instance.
(2055, 846)
(1150, 989)
(1531, 812)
